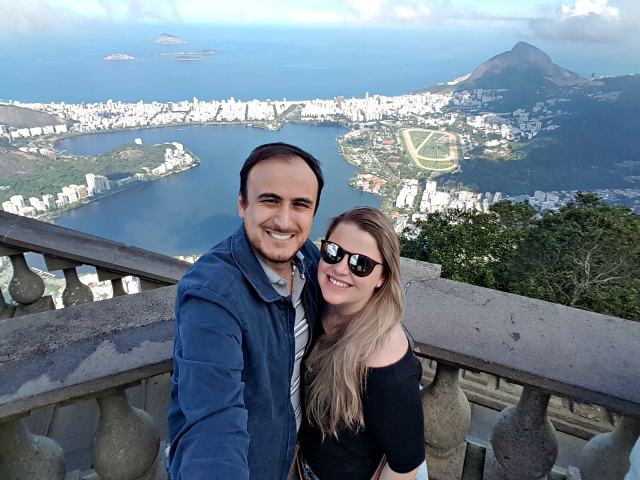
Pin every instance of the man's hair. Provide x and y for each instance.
(279, 150)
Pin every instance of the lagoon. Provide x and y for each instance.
(189, 212)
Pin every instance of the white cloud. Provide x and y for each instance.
(316, 17)
(28, 15)
(596, 21)
(583, 8)
(390, 11)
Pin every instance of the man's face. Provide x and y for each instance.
(279, 208)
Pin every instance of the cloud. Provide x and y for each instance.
(316, 17)
(592, 21)
(28, 15)
(42, 15)
(135, 10)
(387, 11)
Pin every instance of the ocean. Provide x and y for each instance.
(297, 63)
(189, 212)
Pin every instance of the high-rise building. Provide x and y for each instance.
(71, 194)
(49, 201)
(17, 200)
(10, 207)
(63, 199)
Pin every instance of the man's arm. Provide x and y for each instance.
(213, 443)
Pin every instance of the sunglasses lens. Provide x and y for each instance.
(360, 265)
(331, 253)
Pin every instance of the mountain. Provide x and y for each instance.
(523, 65)
(18, 117)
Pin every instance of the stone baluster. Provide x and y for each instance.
(6, 311)
(447, 416)
(149, 285)
(115, 279)
(26, 288)
(607, 455)
(126, 445)
(524, 444)
(75, 292)
(24, 456)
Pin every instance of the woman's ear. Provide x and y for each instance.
(381, 281)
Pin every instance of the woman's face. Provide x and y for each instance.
(340, 287)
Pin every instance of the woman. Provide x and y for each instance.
(363, 405)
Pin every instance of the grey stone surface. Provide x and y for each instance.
(494, 471)
(524, 441)
(25, 287)
(32, 235)
(415, 270)
(126, 444)
(607, 455)
(569, 352)
(75, 292)
(24, 456)
(473, 462)
(53, 356)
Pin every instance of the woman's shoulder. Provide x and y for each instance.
(394, 350)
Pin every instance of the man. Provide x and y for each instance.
(244, 313)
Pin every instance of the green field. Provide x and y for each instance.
(429, 149)
(418, 137)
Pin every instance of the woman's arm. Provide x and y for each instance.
(388, 474)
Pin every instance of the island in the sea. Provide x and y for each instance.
(187, 59)
(207, 51)
(119, 56)
(166, 39)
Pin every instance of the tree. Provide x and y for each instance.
(585, 255)
(470, 246)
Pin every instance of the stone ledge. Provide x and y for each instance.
(77, 352)
(35, 236)
(569, 352)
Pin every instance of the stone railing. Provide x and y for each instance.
(96, 352)
(65, 250)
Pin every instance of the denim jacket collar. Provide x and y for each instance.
(248, 264)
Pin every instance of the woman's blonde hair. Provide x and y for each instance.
(337, 367)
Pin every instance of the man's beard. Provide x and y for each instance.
(283, 258)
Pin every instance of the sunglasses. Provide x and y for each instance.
(360, 265)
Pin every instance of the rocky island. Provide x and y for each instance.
(188, 59)
(166, 39)
(208, 51)
(119, 56)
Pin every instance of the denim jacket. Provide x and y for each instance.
(230, 415)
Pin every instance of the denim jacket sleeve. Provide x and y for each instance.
(213, 442)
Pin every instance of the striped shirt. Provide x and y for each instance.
(301, 325)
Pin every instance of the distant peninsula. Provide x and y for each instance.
(202, 52)
(188, 59)
(119, 56)
(166, 39)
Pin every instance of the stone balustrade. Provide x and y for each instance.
(65, 250)
(99, 352)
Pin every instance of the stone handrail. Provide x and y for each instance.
(97, 350)
(65, 249)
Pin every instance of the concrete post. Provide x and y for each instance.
(447, 416)
(75, 292)
(524, 442)
(26, 288)
(6, 311)
(115, 279)
(24, 456)
(126, 444)
(607, 455)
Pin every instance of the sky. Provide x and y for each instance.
(576, 21)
